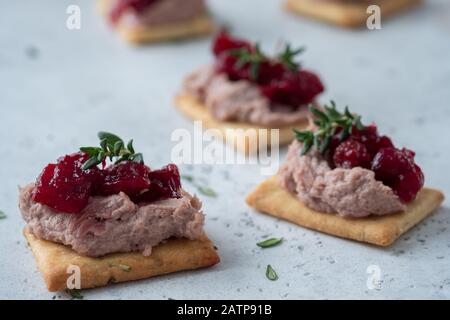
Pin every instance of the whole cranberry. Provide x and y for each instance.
(225, 42)
(350, 154)
(408, 184)
(396, 169)
(270, 71)
(128, 177)
(389, 163)
(65, 186)
(164, 184)
(293, 88)
(370, 138)
(227, 64)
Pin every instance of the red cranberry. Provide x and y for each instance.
(65, 186)
(128, 177)
(350, 154)
(224, 42)
(408, 184)
(396, 169)
(228, 64)
(164, 184)
(122, 6)
(293, 89)
(269, 71)
(370, 138)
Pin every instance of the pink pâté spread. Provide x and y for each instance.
(246, 85)
(344, 167)
(98, 209)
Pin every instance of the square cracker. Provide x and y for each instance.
(200, 26)
(53, 259)
(350, 15)
(247, 144)
(269, 197)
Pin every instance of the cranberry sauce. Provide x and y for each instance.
(122, 6)
(66, 187)
(280, 83)
(394, 167)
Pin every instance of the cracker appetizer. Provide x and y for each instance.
(145, 21)
(344, 179)
(246, 89)
(115, 223)
(347, 13)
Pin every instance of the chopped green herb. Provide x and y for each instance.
(272, 242)
(111, 146)
(203, 190)
(187, 177)
(75, 294)
(271, 274)
(2, 215)
(207, 191)
(288, 55)
(329, 122)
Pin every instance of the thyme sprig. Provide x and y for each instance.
(254, 57)
(112, 147)
(287, 57)
(329, 121)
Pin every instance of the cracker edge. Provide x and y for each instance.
(347, 15)
(270, 198)
(202, 25)
(172, 256)
(196, 111)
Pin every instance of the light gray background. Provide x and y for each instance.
(59, 87)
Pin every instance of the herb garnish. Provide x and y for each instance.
(187, 177)
(271, 274)
(111, 146)
(272, 242)
(255, 57)
(287, 57)
(2, 215)
(328, 121)
(75, 294)
(206, 191)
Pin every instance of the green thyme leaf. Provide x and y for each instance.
(130, 146)
(252, 57)
(187, 177)
(117, 147)
(207, 191)
(111, 147)
(288, 55)
(75, 294)
(138, 157)
(270, 273)
(110, 137)
(328, 121)
(90, 151)
(90, 163)
(2, 215)
(272, 242)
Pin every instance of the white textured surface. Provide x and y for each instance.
(59, 87)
